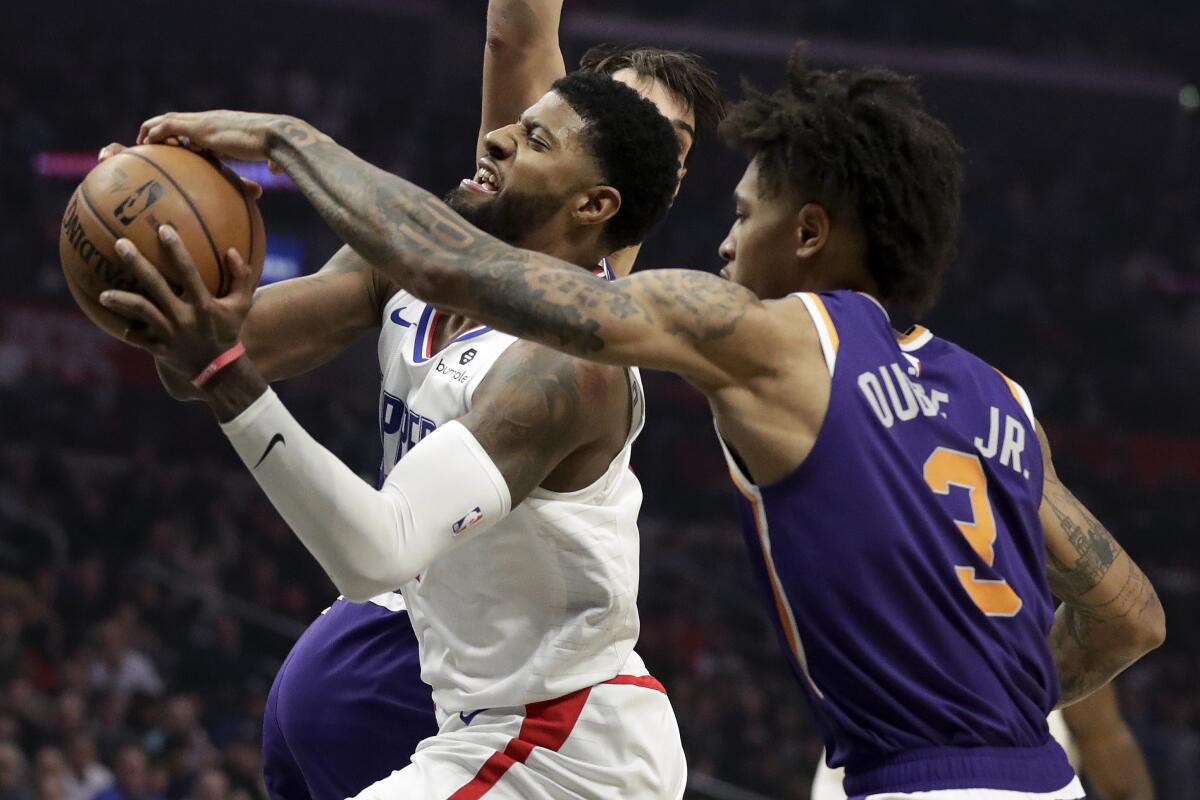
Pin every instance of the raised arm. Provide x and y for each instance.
(521, 59)
(1110, 614)
(1112, 761)
(693, 323)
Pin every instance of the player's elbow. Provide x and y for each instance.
(373, 580)
(1152, 626)
(511, 31)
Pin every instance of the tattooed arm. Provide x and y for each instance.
(1110, 615)
(706, 329)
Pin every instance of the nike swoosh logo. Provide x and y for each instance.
(466, 718)
(399, 320)
(276, 439)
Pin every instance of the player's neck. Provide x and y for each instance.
(582, 251)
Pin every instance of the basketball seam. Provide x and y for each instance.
(196, 212)
(250, 224)
(99, 217)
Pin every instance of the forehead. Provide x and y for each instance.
(747, 189)
(553, 113)
(672, 106)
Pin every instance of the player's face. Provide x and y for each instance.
(761, 246)
(531, 169)
(671, 105)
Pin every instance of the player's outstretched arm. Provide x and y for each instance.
(1110, 614)
(297, 325)
(688, 322)
(1112, 761)
(521, 59)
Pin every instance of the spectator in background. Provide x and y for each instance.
(13, 773)
(49, 781)
(212, 784)
(84, 776)
(120, 669)
(133, 777)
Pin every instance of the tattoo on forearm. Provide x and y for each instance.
(301, 134)
(405, 232)
(1088, 638)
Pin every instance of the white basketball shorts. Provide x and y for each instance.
(613, 741)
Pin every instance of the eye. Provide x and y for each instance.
(534, 142)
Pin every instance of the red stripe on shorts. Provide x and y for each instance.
(644, 681)
(547, 724)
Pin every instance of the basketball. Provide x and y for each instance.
(134, 192)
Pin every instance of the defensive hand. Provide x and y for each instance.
(254, 188)
(236, 134)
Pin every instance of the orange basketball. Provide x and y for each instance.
(134, 192)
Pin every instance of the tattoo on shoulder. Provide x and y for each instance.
(535, 410)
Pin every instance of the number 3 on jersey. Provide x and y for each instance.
(946, 468)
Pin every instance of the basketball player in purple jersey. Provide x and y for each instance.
(908, 527)
(360, 659)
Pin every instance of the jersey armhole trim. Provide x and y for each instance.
(1021, 397)
(826, 330)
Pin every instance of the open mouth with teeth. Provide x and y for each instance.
(486, 181)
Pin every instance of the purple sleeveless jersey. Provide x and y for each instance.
(903, 565)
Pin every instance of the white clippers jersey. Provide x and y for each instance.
(545, 602)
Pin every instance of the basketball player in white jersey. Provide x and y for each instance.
(362, 659)
(508, 515)
(1095, 738)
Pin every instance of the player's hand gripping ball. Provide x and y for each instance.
(130, 195)
(185, 329)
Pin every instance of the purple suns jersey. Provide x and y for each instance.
(903, 564)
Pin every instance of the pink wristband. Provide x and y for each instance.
(219, 363)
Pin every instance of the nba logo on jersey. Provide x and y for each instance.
(473, 517)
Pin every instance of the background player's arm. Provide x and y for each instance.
(297, 325)
(1112, 761)
(1110, 614)
(521, 59)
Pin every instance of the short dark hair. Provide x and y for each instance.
(683, 73)
(862, 139)
(634, 146)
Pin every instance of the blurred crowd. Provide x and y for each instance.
(148, 592)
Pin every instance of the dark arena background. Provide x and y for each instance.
(148, 591)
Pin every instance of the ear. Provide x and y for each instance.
(596, 205)
(679, 183)
(812, 230)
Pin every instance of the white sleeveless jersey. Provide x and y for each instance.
(545, 602)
